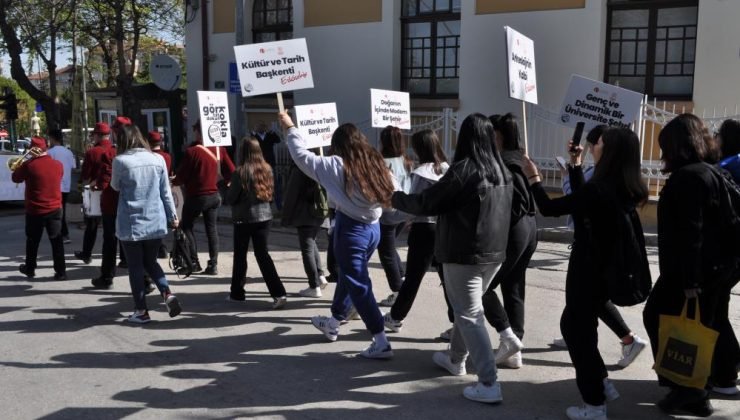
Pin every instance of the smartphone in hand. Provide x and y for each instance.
(577, 134)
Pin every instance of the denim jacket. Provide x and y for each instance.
(145, 203)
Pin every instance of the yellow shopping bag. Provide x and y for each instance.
(685, 349)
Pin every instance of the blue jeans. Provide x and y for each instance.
(142, 258)
(354, 244)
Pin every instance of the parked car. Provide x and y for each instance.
(22, 145)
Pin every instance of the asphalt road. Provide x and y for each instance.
(66, 353)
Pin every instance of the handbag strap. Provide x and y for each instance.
(697, 314)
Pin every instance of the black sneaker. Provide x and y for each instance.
(30, 273)
(60, 276)
(681, 401)
(66, 240)
(196, 267)
(173, 305)
(122, 264)
(81, 256)
(102, 282)
(150, 287)
(211, 269)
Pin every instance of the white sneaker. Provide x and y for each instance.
(391, 323)
(631, 351)
(327, 325)
(323, 282)
(485, 394)
(443, 360)
(513, 362)
(726, 390)
(375, 352)
(610, 391)
(389, 301)
(590, 412)
(445, 335)
(508, 346)
(560, 342)
(312, 292)
(279, 302)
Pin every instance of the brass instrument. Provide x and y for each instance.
(16, 162)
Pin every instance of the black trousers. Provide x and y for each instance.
(258, 233)
(668, 298)
(191, 209)
(419, 259)
(389, 258)
(110, 247)
(512, 277)
(331, 262)
(310, 254)
(35, 225)
(91, 234)
(65, 230)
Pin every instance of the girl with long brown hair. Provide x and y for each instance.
(360, 185)
(249, 195)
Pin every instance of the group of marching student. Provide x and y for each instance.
(472, 217)
(475, 218)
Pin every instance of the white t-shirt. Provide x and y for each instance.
(65, 156)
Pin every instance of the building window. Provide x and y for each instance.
(430, 46)
(272, 20)
(651, 46)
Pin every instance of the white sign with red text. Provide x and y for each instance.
(317, 123)
(214, 118)
(271, 67)
(597, 103)
(520, 58)
(390, 107)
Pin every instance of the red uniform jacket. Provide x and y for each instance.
(167, 160)
(43, 177)
(198, 172)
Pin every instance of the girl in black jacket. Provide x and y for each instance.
(616, 184)
(693, 261)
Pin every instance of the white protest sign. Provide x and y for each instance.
(597, 103)
(317, 123)
(214, 118)
(272, 67)
(520, 58)
(390, 107)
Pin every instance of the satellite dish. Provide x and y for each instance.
(166, 72)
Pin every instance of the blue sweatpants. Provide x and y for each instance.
(354, 244)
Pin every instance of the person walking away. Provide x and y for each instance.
(393, 150)
(92, 166)
(199, 173)
(249, 195)
(359, 185)
(304, 210)
(432, 166)
(693, 257)
(57, 151)
(473, 201)
(43, 204)
(616, 187)
(145, 210)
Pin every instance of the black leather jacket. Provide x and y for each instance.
(474, 214)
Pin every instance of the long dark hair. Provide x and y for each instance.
(363, 165)
(729, 137)
(254, 171)
(392, 145)
(129, 137)
(427, 148)
(684, 140)
(619, 165)
(507, 126)
(475, 143)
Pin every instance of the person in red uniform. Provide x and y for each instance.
(155, 142)
(198, 173)
(43, 202)
(91, 167)
(108, 207)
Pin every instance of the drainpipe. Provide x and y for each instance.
(204, 43)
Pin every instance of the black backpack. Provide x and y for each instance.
(180, 260)
(729, 207)
(625, 270)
